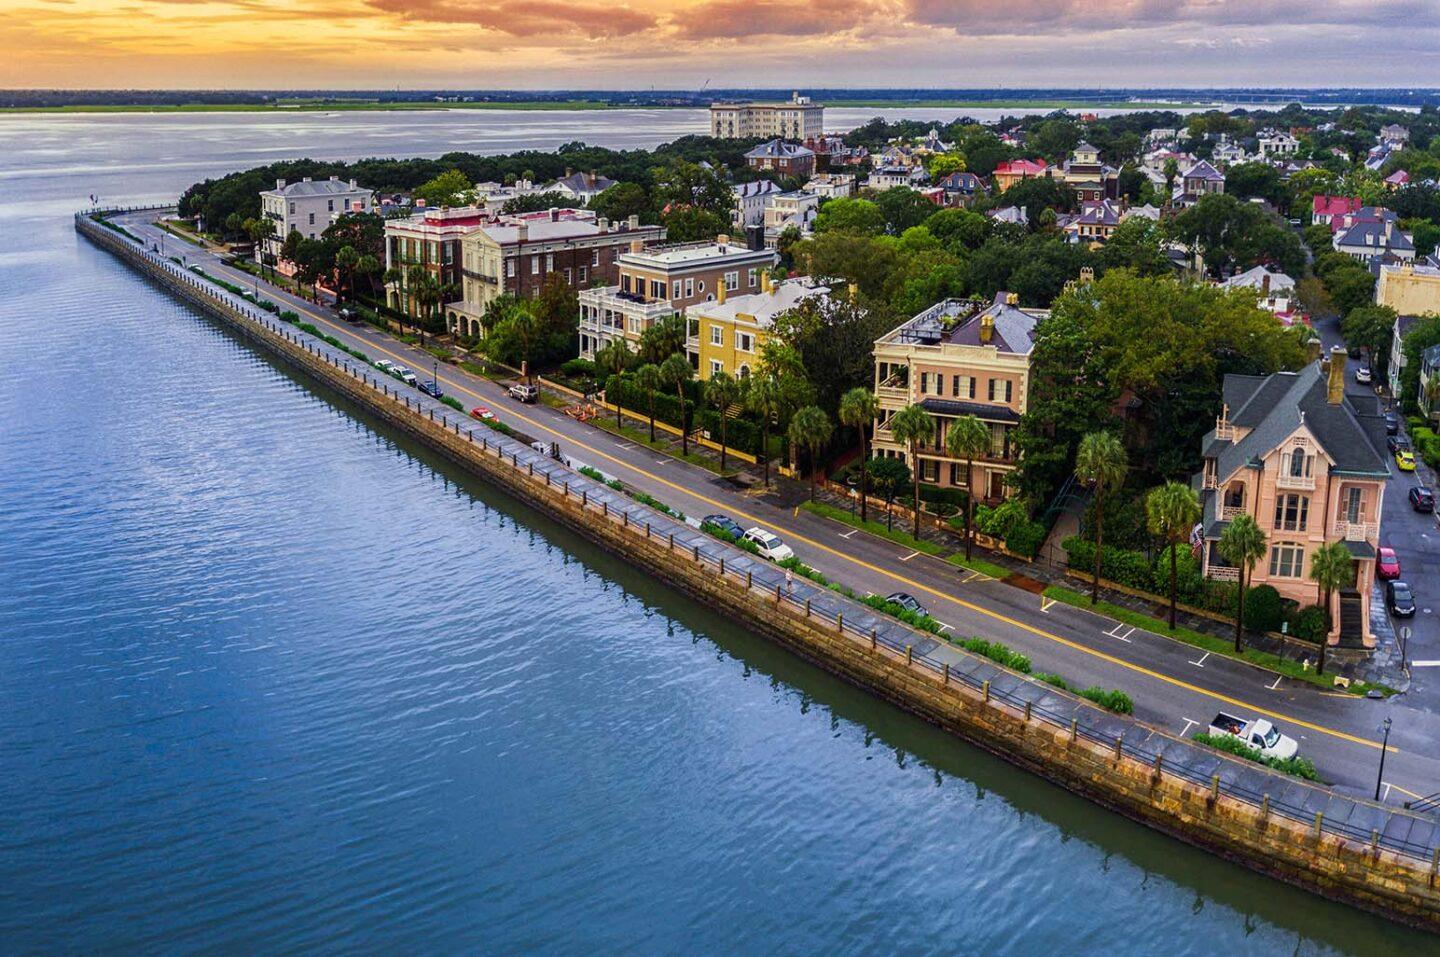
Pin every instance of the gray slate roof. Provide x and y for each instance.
(1272, 407)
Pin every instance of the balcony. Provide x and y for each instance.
(1355, 531)
(1222, 573)
(1304, 483)
(1228, 512)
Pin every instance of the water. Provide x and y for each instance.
(274, 679)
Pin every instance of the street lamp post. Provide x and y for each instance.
(1384, 746)
(435, 375)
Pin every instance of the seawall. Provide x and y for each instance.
(1377, 858)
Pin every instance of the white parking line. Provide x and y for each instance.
(975, 576)
(1045, 604)
(1276, 685)
(910, 556)
(1115, 633)
(849, 533)
(1186, 729)
(1201, 662)
(945, 627)
(1429, 663)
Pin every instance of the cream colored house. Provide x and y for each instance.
(1409, 289)
(1308, 463)
(958, 358)
(798, 119)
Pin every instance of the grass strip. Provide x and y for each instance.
(1298, 766)
(877, 529)
(1210, 643)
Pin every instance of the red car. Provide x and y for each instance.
(1387, 566)
(480, 412)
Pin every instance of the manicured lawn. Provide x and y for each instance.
(978, 565)
(877, 529)
(1210, 643)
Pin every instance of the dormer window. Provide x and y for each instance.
(1299, 463)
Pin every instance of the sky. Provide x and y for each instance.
(683, 44)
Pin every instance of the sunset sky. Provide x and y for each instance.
(634, 44)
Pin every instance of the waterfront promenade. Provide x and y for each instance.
(1184, 782)
(1174, 686)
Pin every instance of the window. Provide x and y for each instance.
(510, 268)
(1286, 561)
(751, 278)
(595, 257)
(292, 209)
(689, 288)
(567, 275)
(675, 288)
(962, 387)
(584, 273)
(929, 470)
(1291, 512)
(717, 336)
(732, 280)
(745, 342)
(1354, 505)
(957, 475)
(924, 383)
(1000, 390)
(549, 262)
(657, 289)
(312, 219)
(716, 366)
(330, 206)
(1299, 463)
(534, 265)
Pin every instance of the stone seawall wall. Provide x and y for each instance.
(1400, 886)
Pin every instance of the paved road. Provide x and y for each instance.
(1174, 686)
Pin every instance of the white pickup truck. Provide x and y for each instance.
(1258, 734)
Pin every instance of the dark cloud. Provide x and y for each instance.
(724, 19)
(526, 18)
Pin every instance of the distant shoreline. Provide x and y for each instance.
(354, 106)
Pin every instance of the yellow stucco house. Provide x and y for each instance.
(727, 334)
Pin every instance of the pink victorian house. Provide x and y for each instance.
(1308, 463)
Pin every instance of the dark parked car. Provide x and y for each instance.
(1392, 423)
(726, 524)
(1397, 442)
(907, 601)
(430, 387)
(1422, 499)
(1398, 597)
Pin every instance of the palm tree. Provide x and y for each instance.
(968, 438)
(858, 409)
(675, 371)
(766, 400)
(912, 426)
(1100, 463)
(1171, 511)
(1242, 543)
(890, 475)
(1331, 568)
(722, 391)
(346, 259)
(811, 428)
(648, 377)
(612, 360)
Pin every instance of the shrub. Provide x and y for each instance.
(588, 472)
(998, 653)
(1025, 538)
(998, 521)
(1219, 597)
(289, 316)
(1114, 700)
(453, 402)
(922, 622)
(578, 369)
(1263, 610)
(1297, 766)
(1118, 565)
(1310, 623)
(1055, 680)
(616, 484)
(658, 505)
(1187, 573)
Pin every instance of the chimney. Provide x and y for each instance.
(720, 288)
(637, 246)
(1335, 387)
(279, 184)
(554, 215)
(305, 179)
(522, 231)
(604, 223)
(722, 240)
(1313, 349)
(334, 178)
(1265, 283)
(765, 280)
(354, 185)
(853, 291)
(635, 221)
(569, 172)
(987, 328)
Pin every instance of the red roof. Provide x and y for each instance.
(1335, 205)
(1021, 167)
(1398, 178)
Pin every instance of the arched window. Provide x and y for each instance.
(744, 372)
(1297, 461)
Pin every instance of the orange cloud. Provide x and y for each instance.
(526, 18)
(715, 19)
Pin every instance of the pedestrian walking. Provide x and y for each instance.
(789, 582)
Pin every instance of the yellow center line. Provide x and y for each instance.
(978, 609)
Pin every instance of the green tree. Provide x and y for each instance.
(234, 224)
(612, 360)
(810, 427)
(1100, 463)
(903, 208)
(346, 260)
(890, 475)
(1171, 511)
(941, 165)
(690, 224)
(723, 390)
(833, 343)
(766, 399)
(675, 372)
(848, 215)
(450, 188)
(539, 202)
(621, 201)
(858, 409)
(912, 426)
(968, 438)
(1332, 567)
(1242, 544)
(648, 378)
(662, 339)
(1371, 328)
(515, 338)
(260, 231)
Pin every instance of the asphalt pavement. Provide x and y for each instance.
(1175, 687)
